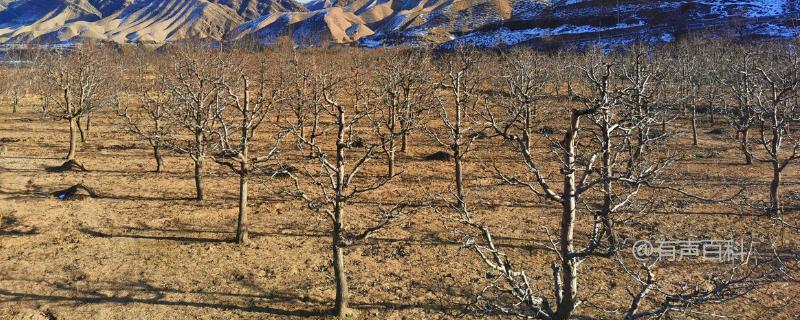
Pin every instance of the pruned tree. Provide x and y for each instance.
(336, 176)
(458, 106)
(776, 114)
(149, 119)
(16, 89)
(240, 117)
(76, 84)
(21, 76)
(687, 73)
(602, 168)
(195, 84)
(575, 183)
(644, 74)
(5, 86)
(711, 92)
(405, 94)
(739, 79)
(523, 87)
(305, 99)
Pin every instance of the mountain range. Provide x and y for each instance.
(370, 23)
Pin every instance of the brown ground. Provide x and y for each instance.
(144, 250)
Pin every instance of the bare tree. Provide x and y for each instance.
(740, 79)
(602, 169)
(15, 88)
(459, 110)
(75, 83)
(565, 273)
(305, 99)
(711, 93)
(778, 75)
(336, 176)
(18, 69)
(241, 125)
(687, 74)
(149, 118)
(195, 85)
(644, 74)
(406, 93)
(5, 86)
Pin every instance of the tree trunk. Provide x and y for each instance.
(241, 227)
(313, 137)
(711, 114)
(198, 179)
(694, 125)
(404, 142)
(302, 147)
(391, 149)
(569, 272)
(641, 137)
(342, 290)
(73, 138)
(80, 128)
(748, 157)
(390, 155)
(774, 197)
(158, 158)
(459, 174)
(608, 192)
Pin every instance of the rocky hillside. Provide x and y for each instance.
(131, 21)
(489, 23)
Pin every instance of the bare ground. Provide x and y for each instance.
(144, 250)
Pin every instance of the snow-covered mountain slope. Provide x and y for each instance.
(489, 23)
(376, 21)
(580, 22)
(493, 23)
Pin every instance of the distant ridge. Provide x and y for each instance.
(369, 23)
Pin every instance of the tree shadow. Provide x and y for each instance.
(706, 213)
(282, 231)
(140, 292)
(4, 169)
(191, 229)
(100, 234)
(195, 234)
(454, 310)
(144, 172)
(143, 293)
(18, 233)
(9, 226)
(7, 232)
(144, 198)
(23, 194)
(31, 158)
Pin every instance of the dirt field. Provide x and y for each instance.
(145, 250)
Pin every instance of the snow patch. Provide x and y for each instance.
(507, 37)
(752, 8)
